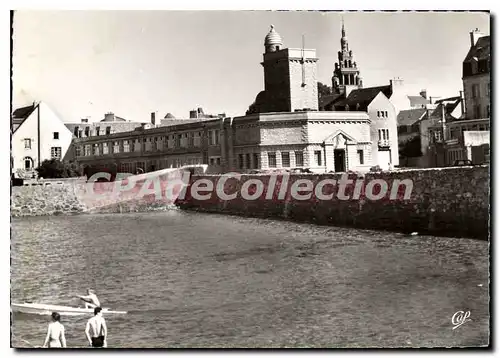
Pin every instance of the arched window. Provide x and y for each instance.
(350, 63)
(345, 63)
(28, 163)
(378, 114)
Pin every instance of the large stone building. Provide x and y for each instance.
(282, 129)
(37, 134)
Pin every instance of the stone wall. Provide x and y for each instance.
(52, 199)
(446, 201)
(67, 197)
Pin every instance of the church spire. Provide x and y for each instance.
(346, 75)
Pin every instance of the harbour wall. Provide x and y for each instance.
(69, 197)
(443, 201)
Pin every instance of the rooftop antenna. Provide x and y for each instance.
(303, 61)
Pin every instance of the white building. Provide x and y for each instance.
(37, 134)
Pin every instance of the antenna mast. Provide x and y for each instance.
(303, 62)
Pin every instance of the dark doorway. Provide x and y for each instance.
(339, 158)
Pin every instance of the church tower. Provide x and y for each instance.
(346, 74)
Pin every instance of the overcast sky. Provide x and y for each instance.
(86, 63)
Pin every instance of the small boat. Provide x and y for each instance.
(43, 309)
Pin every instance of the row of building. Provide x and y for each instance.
(287, 126)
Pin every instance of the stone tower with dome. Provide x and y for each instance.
(290, 78)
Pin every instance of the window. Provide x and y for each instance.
(383, 134)
(116, 147)
(217, 137)
(55, 152)
(78, 151)
(97, 130)
(95, 149)
(299, 159)
(28, 163)
(248, 159)
(360, 157)
(241, 165)
(255, 160)
(488, 111)
(475, 91)
(126, 146)
(285, 159)
(87, 131)
(105, 148)
(386, 115)
(271, 157)
(218, 161)
(317, 157)
(191, 139)
(378, 114)
(76, 132)
(108, 130)
(27, 143)
(56, 135)
(382, 114)
(87, 150)
(211, 140)
(477, 112)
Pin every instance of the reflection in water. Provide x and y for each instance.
(198, 280)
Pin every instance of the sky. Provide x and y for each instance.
(86, 63)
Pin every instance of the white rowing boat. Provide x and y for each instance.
(43, 309)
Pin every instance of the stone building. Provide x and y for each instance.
(282, 129)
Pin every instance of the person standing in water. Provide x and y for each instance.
(99, 330)
(55, 333)
(91, 300)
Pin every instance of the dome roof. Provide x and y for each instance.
(273, 38)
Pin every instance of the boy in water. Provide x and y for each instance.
(91, 300)
(99, 330)
(55, 333)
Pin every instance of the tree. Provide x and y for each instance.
(54, 168)
(411, 148)
(323, 90)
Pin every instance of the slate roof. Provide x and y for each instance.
(362, 97)
(23, 112)
(325, 101)
(409, 117)
(481, 50)
(115, 119)
(418, 101)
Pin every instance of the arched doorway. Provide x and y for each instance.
(28, 163)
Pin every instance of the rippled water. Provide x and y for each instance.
(200, 280)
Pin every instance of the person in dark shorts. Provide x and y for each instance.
(99, 330)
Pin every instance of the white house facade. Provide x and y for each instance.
(38, 134)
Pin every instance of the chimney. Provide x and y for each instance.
(423, 93)
(85, 120)
(462, 102)
(153, 118)
(109, 117)
(193, 114)
(474, 36)
(396, 83)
